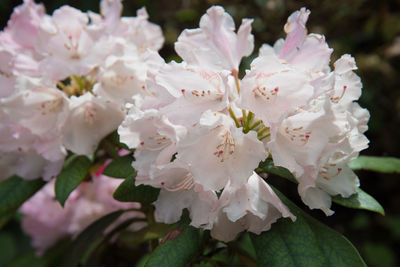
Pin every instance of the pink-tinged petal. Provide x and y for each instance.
(302, 137)
(215, 45)
(347, 87)
(42, 110)
(296, 31)
(139, 31)
(307, 52)
(169, 206)
(111, 10)
(89, 120)
(46, 222)
(24, 22)
(337, 180)
(7, 86)
(195, 90)
(253, 207)
(272, 89)
(230, 154)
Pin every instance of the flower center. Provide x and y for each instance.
(77, 85)
(226, 147)
(298, 135)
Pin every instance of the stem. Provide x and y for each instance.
(261, 137)
(262, 130)
(237, 123)
(257, 123)
(235, 74)
(244, 119)
(249, 119)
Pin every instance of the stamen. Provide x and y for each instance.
(336, 99)
(156, 148)
(298, 136)
(325, 175)
(226, 148)
(186, 184)
(265, 93)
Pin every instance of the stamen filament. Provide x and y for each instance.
(187, 183)
(156, 148)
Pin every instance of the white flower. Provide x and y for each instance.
(89, 120)
(215, 45)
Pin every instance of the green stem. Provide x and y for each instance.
(257, 123)
(261, 137)
(237, 123)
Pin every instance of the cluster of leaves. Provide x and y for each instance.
(306, 242)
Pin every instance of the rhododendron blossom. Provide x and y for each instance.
(289, 106)
(67, 79)
(92, 84)
(47, 222)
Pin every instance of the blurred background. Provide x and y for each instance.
(369, 30)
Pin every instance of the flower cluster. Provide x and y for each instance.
(89, 202)
(199, 130)
(65, 79)
(202, 131)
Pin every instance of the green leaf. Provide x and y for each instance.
(268, 167)
(120, 167)
(177, 252)
(129, 192)
(360, 200)
(378, 164)
(90, 238)
(150, 232)
(13, 192)
(74, 172)
(305, 242)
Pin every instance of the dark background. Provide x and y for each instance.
(367, 29)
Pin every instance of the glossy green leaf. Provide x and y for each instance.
(305, 242)
(150, 232)
(378, 164)
(177, 252)
(13, 192)
(91, 237)
(268, 167)
(120, 167)
(360, 200)
(129, 192)
(74, 172)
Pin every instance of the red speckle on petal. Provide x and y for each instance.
(339, 169)
(345, 87)
(19, 149)
(91, 115)
(307, 136)
(162, 183)
(183, 91)
(276, 89)
(220, 152)
(43, 105)
(142, 143)
(143, 87)
(131, 77)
